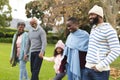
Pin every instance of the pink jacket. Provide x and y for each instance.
(56, 60)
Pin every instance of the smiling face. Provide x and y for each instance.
(94, 19)
(33, 23)
(21, 28)
(72, 27)
(59, 50)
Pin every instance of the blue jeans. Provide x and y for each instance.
(23, 71)
(36, 63)
(90, 74)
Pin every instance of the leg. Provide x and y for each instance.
(36, 65)
(59, 76)
(32, 61)
(82, 73)
(23, 71)
(70, 77)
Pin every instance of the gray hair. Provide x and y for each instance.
(20, 23)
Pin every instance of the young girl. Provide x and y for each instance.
(59, 47)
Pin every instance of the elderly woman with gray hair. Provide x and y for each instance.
(17, 52)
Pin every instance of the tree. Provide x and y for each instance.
(37, 9)
(58, 10)
(111, 8)
(5, 13)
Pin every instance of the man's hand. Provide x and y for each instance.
(41, 55)
(95, 69)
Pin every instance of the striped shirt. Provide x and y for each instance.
(103, 46)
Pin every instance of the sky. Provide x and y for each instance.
(18, 8)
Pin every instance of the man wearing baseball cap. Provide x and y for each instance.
(103, 46)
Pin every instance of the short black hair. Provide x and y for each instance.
(74, 20)
(20, 23)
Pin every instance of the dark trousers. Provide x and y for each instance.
(36, 63)
(59, 76)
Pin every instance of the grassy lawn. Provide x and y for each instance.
(12, 73)
(47, 72)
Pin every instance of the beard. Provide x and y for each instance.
(94, 21)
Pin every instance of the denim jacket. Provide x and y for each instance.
(23, 45)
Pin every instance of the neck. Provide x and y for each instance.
(100, 21)
(19, 33)
(35, 27)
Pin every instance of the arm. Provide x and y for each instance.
(114, 46)
(51, 59)
(44, 42)
(26, 42)
(12, 48)
(27, 47)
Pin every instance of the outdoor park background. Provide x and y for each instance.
(12, 73)
(47, 72)
(52, 15)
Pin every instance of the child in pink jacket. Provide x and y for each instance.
(59, 47)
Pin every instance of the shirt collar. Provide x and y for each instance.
(35, 29)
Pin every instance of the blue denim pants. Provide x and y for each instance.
(23, 71)
(90, 74)
(36, 63)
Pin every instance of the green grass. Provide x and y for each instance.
(47, 72)
(12, 73)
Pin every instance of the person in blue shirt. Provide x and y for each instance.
(75, 50)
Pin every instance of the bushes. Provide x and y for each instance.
(6, 35)
(52, 38)
(6, 40)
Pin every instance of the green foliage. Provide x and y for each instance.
(33, 9)
(5, 13)
(6, 35)
(52, 38)
(6, 40)
(58, 9)
(7, 32)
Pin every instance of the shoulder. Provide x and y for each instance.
(83, 32)
(41, 30)
(15, 34)
(106, 26)
(25, 33)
